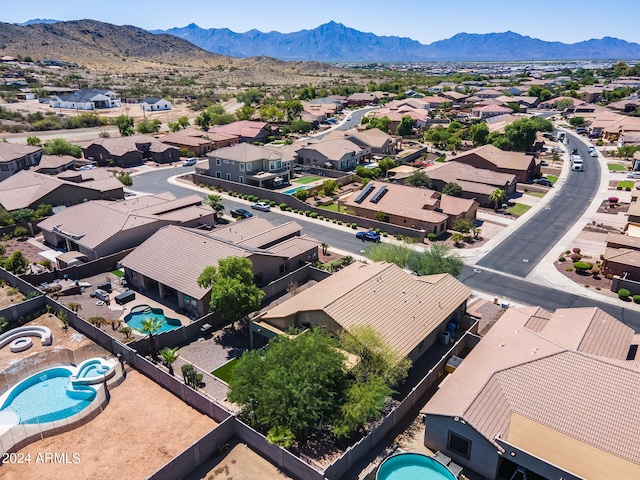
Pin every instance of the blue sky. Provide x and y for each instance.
(566, 21)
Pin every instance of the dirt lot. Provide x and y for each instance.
(141, 429)
(9, 296)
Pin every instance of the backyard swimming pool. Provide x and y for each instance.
(413, 466)
(292, 190)
(47, 396)
(140, 312)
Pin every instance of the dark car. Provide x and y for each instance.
(581, 131)
(240, 212)
(543, 181)
(368, 236)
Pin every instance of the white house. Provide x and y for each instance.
(154, 104)
(88, 99)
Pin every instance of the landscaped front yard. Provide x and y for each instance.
(519, 209)
(306, 179)
(626, 184)
(552, 178)
(616, 167)
(333, 207)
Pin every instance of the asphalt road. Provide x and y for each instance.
(521, 251)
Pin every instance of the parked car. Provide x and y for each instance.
(262, 206)
(544, 181)
(368, 236)
(189, 161)
(633, 175)
(593, 153)
(349, 117)
(577, 165)
(581, 131)
(240, 212)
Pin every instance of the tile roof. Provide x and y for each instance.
(12, 151)
(333, 148)
(54, 162)
(478, 180)
(500, 158)
(403, 308)
(566, 371)
(119, 146)
(244, 153)
(624, 256)
(255, 232)
(26, 188)
(373, 137)
(295, 246)
(242, 128)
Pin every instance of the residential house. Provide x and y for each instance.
(54, 164)
(436, 101)
(28, 189)
(129, 151)
(335, 153)
(488, 157)
(361, 99)
(476, 183)
(487, 111)
(407, 311)
(171, 260)
(87, 99)
(454, 96)
(100, 228)
(198, 141)
(246, 131)
(408, 206)
(419, 116)
(379, 142)
(543, 395)
(247, 163)
(553, 102)
(625, 106)
(154, 104)
(622, 252)
(488, 93)
(522, 101)
(591, 93)
(14, 158)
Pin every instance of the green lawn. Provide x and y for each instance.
(225, 371)
(615, 167)
(305, 180)
(118, 273)
(626, 184)
(552, 178)
(519, 209)
(536, 194)
(333, 207)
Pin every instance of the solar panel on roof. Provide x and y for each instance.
(364, 193)
(379, 194)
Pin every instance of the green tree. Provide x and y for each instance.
(245, 112)
(463, 225)
(271, 113)
(457, 238)
(563, 103)
(545, 94)
(453, 189)
(148, 126)
(293, 109)
(364, 402)
(173, 126)
(386, 164)
(169, 355)
(300, 126)
(418, 179)
(382, 123)
(395, 253)
(233, 291)
(479, 133)
(17, 263)
(577, 121)
(437, 259)
(183, 122)
(329, 186)
(296, 383)
(438, 135)
(33, 141)
(59, 146)
(150, 326)
(521, 134)
(497, 197)
(405, 127)
(124, 124)
(43, 210)
(203, 120)
(216, 202)
(125, 178)
(253, 95)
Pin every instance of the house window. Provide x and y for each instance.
(421, 346)
(229, 176)
(458, 444)
(4, 168)
(248, 167)
(241, 179)
(218, 174)
(169, 154)
(241, 167)
(134, 275)
(218, 161)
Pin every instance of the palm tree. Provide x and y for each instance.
(325, 247)
(216, 202)
(457, 237)
(150, 326)
(497, 197)
(74, 306)
(169, 355)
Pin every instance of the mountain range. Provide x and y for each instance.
(334, 42)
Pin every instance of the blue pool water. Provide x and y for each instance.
(91, 369)
(292, 190)
(412, 466)
(45, 397)
(139, 313)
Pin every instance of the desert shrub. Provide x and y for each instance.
(567, 252)
(628, 189)
(431, 236)
(20, 232)
(313, 215)
(613, 199)
(636, 299)
(575, 257)
(581, 266)
(576, 250)
(307, 213)
(569, 269)
(385, 234)
(354, 226)
(623, 294)
(283, 206)
(618, 187)
(562, 259)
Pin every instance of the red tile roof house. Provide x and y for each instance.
(361, 99)
(488, 111)
(407, 311)
(198, 141)
(246, 131)
(488, 157)
(551, 394)
(128, 151)
(413, 207)
(336, 153)
(171, 260)
(14, 158)
(30, 189)
(100, 228)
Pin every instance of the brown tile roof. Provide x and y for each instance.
(243, 128)
(54, 161)
(295, 246)
(334, 148)
(403, 308)
(373, 137)
(244, 152)
(624, 256)
(565, 370)
(11, 151)
(255, 232)
(500, 158)
(475, 179)
(26, 188)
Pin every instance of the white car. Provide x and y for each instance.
(263, 207)
(633, 175)
(577, 166)
(349, 117)
(189, 161)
